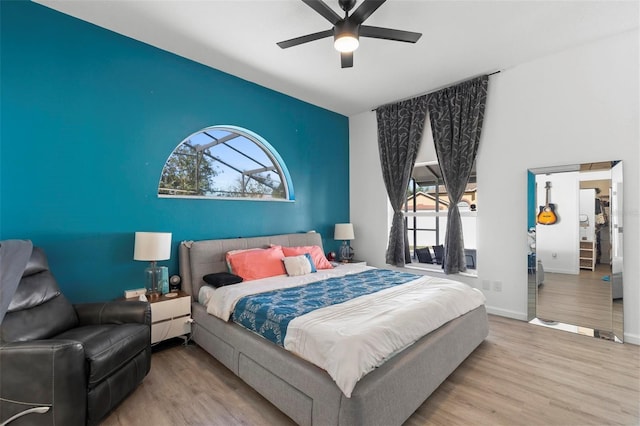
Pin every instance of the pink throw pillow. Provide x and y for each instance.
(256, 264)
(316, 253)
(234, 252)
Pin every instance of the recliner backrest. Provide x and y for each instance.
(38, 310)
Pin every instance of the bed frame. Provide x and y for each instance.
(387, 395)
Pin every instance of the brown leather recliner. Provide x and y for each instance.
(67, 364)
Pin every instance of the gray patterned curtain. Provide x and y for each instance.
(400, 128)
(456, 115)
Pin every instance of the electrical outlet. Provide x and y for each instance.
(486, 285)
(497, 286)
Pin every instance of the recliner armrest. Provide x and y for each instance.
(43, 373)
(117, 312)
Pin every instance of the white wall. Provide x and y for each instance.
(369, 207)
(577, 106)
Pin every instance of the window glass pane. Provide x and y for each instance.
(225, 162)
(426, 209)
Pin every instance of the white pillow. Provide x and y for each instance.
(298, 265)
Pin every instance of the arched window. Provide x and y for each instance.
(226, 162)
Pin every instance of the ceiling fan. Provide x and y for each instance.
(346, 31)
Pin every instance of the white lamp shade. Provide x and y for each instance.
(152, 246)
(343, 231)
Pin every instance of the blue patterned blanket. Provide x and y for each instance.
(269, 314)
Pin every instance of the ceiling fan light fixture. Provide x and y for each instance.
(346, 43)
(346, 36)
(347, 31)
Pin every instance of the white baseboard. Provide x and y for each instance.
(634, 339)
(522, 316)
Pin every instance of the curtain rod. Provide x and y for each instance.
(438, 89)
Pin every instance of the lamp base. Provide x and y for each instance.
(153, 279)
(346, 252)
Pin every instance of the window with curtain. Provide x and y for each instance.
(427, 205)
(452, 137)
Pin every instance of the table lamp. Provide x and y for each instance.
(152, 247)
(344, 232)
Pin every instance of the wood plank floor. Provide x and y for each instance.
(521, 374)
(583, 300)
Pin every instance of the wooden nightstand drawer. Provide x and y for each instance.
(170, 316)
(170, 308)
(170, 328)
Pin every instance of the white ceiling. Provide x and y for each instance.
(461, 39)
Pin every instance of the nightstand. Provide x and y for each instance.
(170, 316)
(356, 262)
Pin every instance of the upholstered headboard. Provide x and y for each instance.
(199, 258)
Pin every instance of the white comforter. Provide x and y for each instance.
(352, 338)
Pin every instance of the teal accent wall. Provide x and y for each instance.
(88, 118)
(531, 200)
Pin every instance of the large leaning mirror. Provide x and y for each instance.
(575, 256)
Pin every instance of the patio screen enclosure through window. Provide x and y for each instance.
(427, 205)
(226, 162)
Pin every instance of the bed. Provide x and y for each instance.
(387, 395)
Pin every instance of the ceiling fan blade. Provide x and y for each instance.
(365, 10)
(346, 59)
(324, 10)
(304, 39)
(389, 34)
